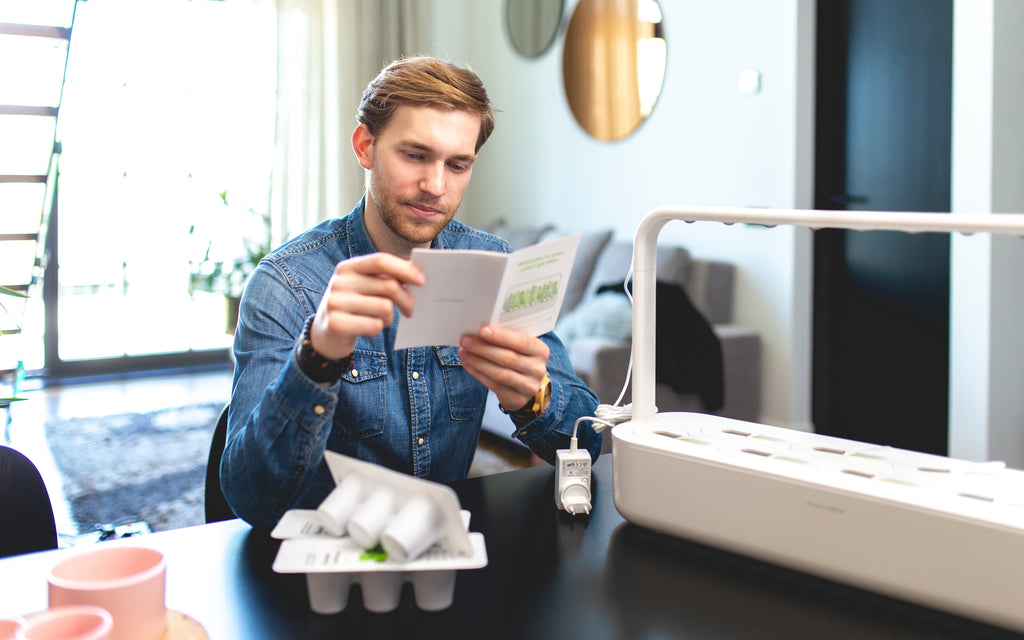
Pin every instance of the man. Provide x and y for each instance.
(315, 365)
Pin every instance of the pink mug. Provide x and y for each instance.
(81, 622)
(9, 626)
(127, 581)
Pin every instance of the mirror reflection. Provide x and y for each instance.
(613, 65)
(533, 24)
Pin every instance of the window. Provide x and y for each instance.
(167, 126)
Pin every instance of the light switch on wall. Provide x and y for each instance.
(750, 82)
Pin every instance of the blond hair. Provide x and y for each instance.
(424, 81)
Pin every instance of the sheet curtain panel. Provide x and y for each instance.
(327, 51)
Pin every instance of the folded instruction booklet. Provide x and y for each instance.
(466, 289)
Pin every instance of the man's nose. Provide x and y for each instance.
(433, 179)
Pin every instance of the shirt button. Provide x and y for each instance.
(420, 442)
(319, 410)
(415, 375)
(355, 373)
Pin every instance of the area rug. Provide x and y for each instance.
(151, 467)
(137, 466)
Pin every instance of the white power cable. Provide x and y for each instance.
(609, 415)
(572, 468)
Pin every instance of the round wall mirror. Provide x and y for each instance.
(613, 65)
(533, 24)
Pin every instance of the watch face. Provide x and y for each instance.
(543, 396)
(536, 405)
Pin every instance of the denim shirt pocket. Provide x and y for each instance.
(465, 394)
(361, 398)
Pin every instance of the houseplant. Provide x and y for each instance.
(229, 254)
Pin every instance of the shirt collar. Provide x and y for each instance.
(359, 243)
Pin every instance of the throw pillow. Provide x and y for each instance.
(602, 316)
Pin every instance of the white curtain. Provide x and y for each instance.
(328, 50)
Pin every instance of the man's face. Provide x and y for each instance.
(419, 168)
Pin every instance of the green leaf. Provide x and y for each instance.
(376, 554)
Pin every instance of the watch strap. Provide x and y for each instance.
(535, 406)
(318, 368)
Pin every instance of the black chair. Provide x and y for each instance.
(28, 523)
(217, 508)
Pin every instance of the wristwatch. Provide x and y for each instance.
(535, 406)
(314, 365)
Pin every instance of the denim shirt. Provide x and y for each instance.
(415, 410)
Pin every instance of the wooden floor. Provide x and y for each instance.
(146, 394)
(135, 395)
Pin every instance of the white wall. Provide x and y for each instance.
(705, 143)
(987, 295)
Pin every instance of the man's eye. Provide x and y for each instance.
(457, 167)
(414, 156)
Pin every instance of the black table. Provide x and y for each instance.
(548, 575)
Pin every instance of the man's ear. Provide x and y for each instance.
(362, 145)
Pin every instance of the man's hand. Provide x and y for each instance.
(359, 301)
(509, 363)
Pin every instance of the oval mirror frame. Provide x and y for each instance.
(532, 25)
(613, 65)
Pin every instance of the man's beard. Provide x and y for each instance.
(415, 231)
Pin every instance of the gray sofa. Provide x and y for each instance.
(596, 329)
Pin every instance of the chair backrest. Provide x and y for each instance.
(217, 508)
(27, 522)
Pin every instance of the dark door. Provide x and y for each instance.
(881, 299)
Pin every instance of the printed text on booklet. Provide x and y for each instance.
(466, 289)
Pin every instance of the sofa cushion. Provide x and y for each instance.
(589, 250)
(519, 237)
(710, 285)
(673, 264)
(688, 354)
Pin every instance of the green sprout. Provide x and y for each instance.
(376, 554)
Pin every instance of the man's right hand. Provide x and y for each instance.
(359, 301)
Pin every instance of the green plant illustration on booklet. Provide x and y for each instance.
(530, 295)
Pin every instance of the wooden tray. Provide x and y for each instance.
(183, 627)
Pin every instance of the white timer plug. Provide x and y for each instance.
(572, 483)
(572, 465)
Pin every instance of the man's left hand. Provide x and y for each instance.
(509, 363)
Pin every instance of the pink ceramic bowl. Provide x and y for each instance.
(127, 581)
(8, 626)
(82, 622)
